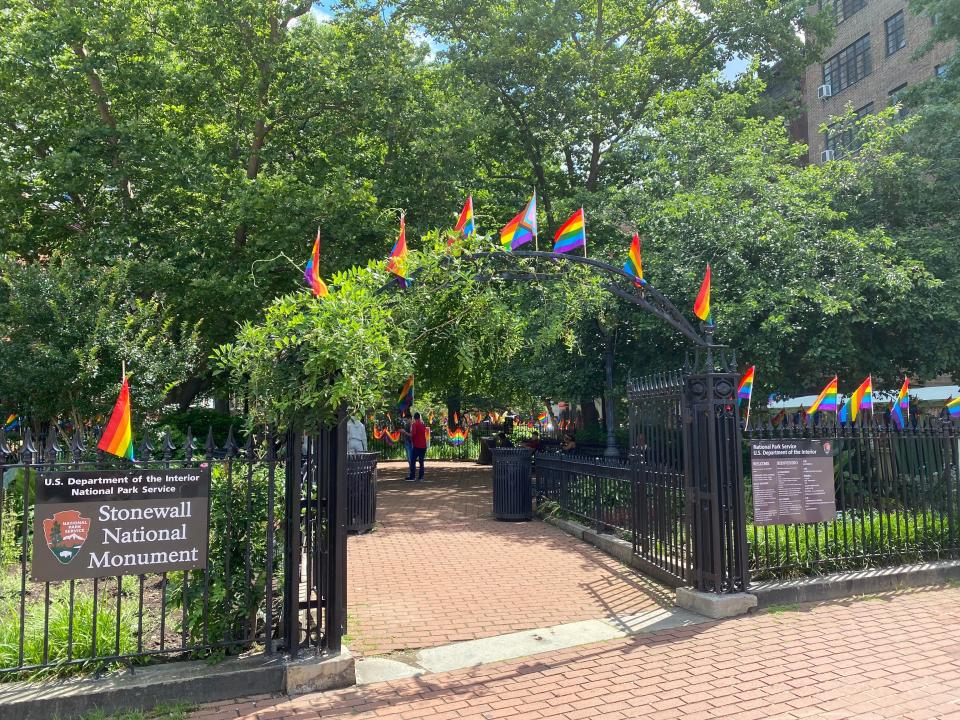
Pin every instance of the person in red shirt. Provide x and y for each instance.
(418, 438)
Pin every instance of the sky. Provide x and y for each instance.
(323, 11)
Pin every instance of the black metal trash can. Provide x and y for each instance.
(361, 491)
(512, 489)
(486, 445)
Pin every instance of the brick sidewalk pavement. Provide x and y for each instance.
(895, 656)
(439, 569)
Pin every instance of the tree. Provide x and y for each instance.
(574, 79)
(64, 331)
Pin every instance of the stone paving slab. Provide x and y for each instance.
(438, 569)
(888, 656)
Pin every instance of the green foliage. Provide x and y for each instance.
(231, 602)
(199, 421)
(66, 329)
(872, 539)
(58, 630)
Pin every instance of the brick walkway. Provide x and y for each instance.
(896, 656)
(439, 569)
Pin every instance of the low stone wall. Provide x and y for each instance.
(192, 682)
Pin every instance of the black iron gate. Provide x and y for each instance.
(275, 577)
(689, 524)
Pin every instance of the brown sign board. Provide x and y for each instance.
(792, 481)
(104, 523)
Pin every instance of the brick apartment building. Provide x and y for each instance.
(870, 61)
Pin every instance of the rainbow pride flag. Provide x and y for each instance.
(953, 407)
(397, 263)
(572, 234)
(523, 228)
(861, 399)
(827, 399)
(633, 266)
(464, 227)
(405, 399)
(312, 273)
(117, 438)
(542, 417)
(457, 436)
(745, 388)
(701, 306)
(11, 423)
(900, 408)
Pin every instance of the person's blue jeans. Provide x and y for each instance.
(417, 455)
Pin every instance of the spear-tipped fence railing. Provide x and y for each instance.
(274, 579)
(897, 498)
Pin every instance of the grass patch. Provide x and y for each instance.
(61, 634)
(175, 711)
(852, 543)
(781, 609)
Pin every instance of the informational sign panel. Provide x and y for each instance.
(792, 481)
(97, 524)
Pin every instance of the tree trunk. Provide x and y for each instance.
(588, 411)
(609, 403)
(594, 173)
(107, 118)
(186, 392)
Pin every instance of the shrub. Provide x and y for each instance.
(59, 630)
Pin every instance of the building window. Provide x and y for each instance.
(894, 96)
(841, 137)
(940, 70)
(842, 9)
(848, 66)
(896, 33)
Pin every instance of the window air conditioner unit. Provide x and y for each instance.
(824, 91)
(827, 155)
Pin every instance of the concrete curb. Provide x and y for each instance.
(859, 582)
(789, 592)
(194, 681)
(612, 546)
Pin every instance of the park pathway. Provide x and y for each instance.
(893, 656)
(439, 569)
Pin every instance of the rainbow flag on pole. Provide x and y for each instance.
(701, 306)
(405, 399)
(542, 417)
(11, 423)
(745, 388)
(572, 234)
(901, 405)
(117, 438)
(312, 273)
(634, 266)
(861, 399)
(523, 228)
(953, 407)
(397, 263)
(464, 227)
(827, 399)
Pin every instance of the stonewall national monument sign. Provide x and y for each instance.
(100, 523)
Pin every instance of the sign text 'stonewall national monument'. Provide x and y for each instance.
(97, 524)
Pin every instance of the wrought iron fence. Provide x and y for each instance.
(897, 500)
(659, 457)
(596, 490)
(274, 579)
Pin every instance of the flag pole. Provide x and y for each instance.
(536, 237)
(746, 425)
(584, 232)
(123, 371)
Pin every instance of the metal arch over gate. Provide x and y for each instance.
(689, 520)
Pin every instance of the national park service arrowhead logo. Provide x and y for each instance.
(66, 532)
